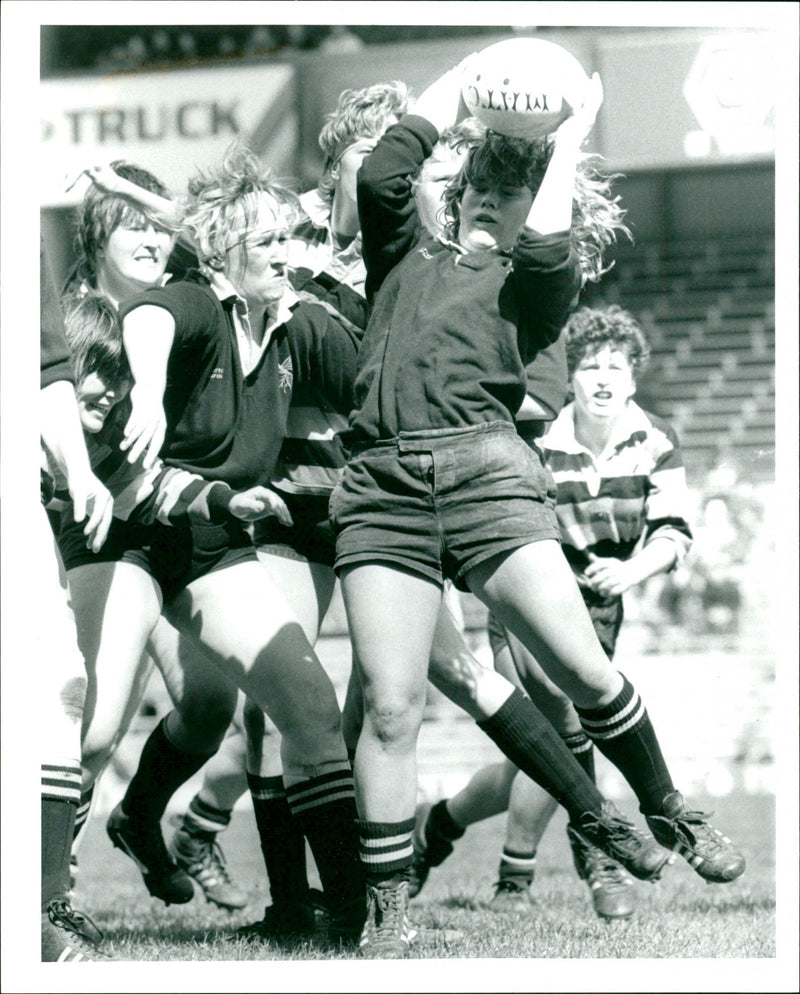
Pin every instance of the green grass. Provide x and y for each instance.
(680, 917)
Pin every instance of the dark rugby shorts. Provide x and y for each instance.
(441, 502)
(309, 539)
(173, 556)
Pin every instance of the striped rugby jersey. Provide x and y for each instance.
(312, 457)
(633, 492)
(161, 493)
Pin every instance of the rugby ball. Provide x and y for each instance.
(523, 87)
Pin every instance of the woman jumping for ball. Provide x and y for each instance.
(439, 484)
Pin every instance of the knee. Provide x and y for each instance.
(394, 720)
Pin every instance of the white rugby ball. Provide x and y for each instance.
(523, 87)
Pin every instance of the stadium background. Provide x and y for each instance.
(689, 122)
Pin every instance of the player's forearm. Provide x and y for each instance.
(441, 102)
(163, 209)
(551, 210)
(658, 556)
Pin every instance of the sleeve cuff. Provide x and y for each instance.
(219, 499)
(549, 251)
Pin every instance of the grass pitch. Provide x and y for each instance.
(681, 917)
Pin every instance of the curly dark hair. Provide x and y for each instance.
(597, 217)
(590, 329)
(101, 213)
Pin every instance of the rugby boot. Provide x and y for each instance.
(387, 932)
(200, 855)
(511, 897)
(710, 853)
(69, 936)
(617, 837)
(610, 886)
(282, 921)
(144, 843)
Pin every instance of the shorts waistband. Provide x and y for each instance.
(426, 438)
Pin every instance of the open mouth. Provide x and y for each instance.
(484, 219)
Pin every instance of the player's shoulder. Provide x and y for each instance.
(308, 316)
(658, 438)
(657, 426)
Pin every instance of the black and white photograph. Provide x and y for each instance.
(369, 609)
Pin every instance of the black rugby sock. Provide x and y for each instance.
(163, 767)
(325, 809)
(580, 745)
(282, 841)
(523, 734)
(623, 732)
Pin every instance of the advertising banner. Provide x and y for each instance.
(168, 122)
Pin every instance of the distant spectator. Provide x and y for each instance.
(137, 52)
(298, 36)
(187, 45)
(226, 46)
(260, 41)
(340, 41)
(160, 46)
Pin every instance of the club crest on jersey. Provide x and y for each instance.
(286, 374)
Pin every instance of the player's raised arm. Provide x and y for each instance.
(551, 210)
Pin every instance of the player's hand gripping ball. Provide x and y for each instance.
(523, 87)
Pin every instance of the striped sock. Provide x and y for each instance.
(386, 849)
(325, 809)
(61, 781)
(518, 867)
(61, 793)
(204, 818)
(82, 814)
(531, 743)
(580, 745)
(282, 841)
(623, 732)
